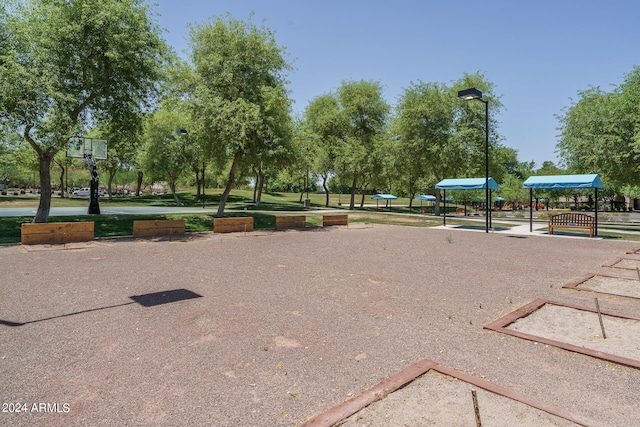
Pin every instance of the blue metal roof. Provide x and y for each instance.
(563, 181)
(466, 184)
(384, 197)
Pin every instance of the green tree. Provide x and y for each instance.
(445, 135)
(600, 132)
(326, 129)
(164, 155)
(366, 114)
(237, 94)
(88, 59)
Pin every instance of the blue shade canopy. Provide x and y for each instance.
(500, 199)
(466, 184)
(384, 197)
(563, 181)
(426, 197)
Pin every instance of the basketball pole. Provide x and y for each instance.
(94, 205)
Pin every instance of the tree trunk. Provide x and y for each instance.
(139, 182)
(255, 189)
(260, 185)
(61, 166)
(112, 174)
(198, 181)
(412, 196)
(436, 209)
(326, 190)
(352, 202)
(172, 186)
(230, 181)
(42, 214)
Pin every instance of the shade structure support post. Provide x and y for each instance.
(491, 209)
(596, 212)
(531, 210)
(444, 216)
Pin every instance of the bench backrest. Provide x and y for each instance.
(571, 218)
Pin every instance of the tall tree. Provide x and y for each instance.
(165, 153)
(88, 59)
(601, 132)
(238, 96)
(326, 129)
(366, 114)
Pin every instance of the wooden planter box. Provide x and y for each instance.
(231, 225)
(158, 227)
(56, 232)
(297, 221)
(328, 220)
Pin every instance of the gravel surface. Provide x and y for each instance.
(290, 324)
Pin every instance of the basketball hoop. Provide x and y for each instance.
(89, 150)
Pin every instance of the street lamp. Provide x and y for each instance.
(468, 95)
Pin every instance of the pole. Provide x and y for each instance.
(444, 217)
(486, 163)
(596, 222)
(530, 210)
(203, 183)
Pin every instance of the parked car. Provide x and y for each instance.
(85, 192)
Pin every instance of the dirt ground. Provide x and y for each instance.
(272, 328)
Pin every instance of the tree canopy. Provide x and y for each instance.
(85, 61)
(237, 93)
(601, 132)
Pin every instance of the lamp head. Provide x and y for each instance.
(471, 93)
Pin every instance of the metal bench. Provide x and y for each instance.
(571, 220)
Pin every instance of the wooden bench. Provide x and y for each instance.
(328, 220)
(571, 220)
(158, 227)
(56, 232)
(230, 225)
(296, 221)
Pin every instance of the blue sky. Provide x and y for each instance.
(539, 54)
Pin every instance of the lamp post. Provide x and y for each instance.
(467, 95)
(307, 201)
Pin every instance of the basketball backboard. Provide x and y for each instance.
(82, 147)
